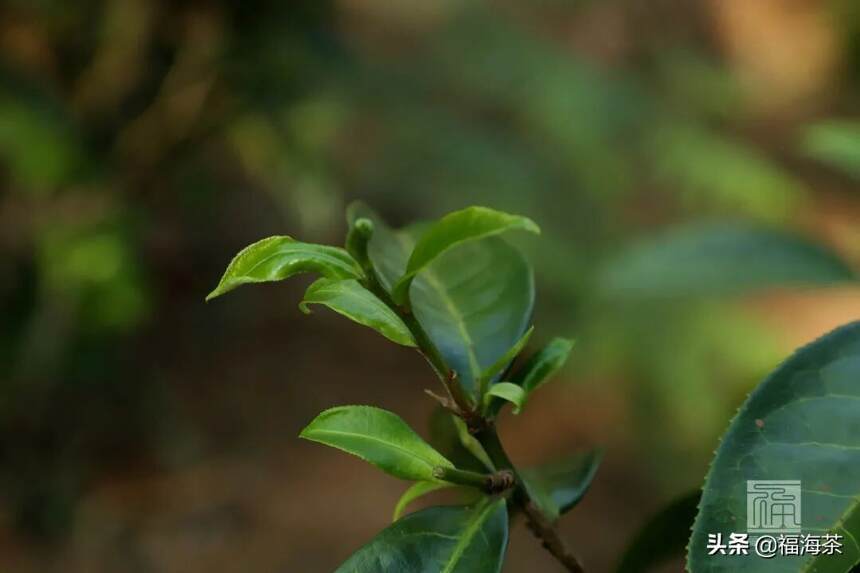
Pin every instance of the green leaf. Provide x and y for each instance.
(540, 367)
(801, 423)
(451, 230)
(719, 259)
(471, 443)
(474, 302)
(663, 537)
(449, 435)
(836, 143)
(499, 366)
(438, 540)
(349, 298)
(378, 437)
(558, 486)
(507, 391)
(280, 257)
(417, 490)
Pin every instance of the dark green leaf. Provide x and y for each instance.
(417, 490)
(349, 298)
(510, 392)
(280, 257)
(474, 301)
(716, 259)
(540, 367)
(378, 437)
(454, 229)
(438, 540)
(801, 424)
(663, 537)
(557, 487)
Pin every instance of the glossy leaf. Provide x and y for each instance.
(717, 259)
(510, 392)
(540, 367)
(349, 298)
(663, 537)
(801, 423)
(378, 437)
(438, 540)
(475, 301)
(558, 486)
(454, 229)
(280, 257)
(416, 491)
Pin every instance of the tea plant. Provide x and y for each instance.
(463, 298)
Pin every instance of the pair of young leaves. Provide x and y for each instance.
(474, 305)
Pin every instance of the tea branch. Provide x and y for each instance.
(482, 427)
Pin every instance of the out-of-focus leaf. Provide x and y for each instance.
(716, 259)
(417, 490)
(438, 540)
(664, 536)
(799, 424)
(378, 437)
(280, 257)
(708, 170)
(475, 301)
(349, 298)
(472, 445)
(37, 143)
(540, 367)
(558, 486)
(454, 229)
(510, 392)
(835, 143)
(499, 366)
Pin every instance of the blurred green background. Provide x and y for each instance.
(694, 165)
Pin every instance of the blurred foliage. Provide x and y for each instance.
(142, 143)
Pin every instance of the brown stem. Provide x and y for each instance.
(544, 530)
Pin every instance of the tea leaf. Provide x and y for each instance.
(378, 437)
(280, 257)
(438, 540)
(349, 298)
(474, 302)
(510, 392)
(799, 424)
(417, 490)
(558, 486)
(719, 259)
(451, 230)
(663, 537)
(546, 362)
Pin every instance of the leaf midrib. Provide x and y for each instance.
(433, 281)
(466, 538)
(409, 453)
(286, 250)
